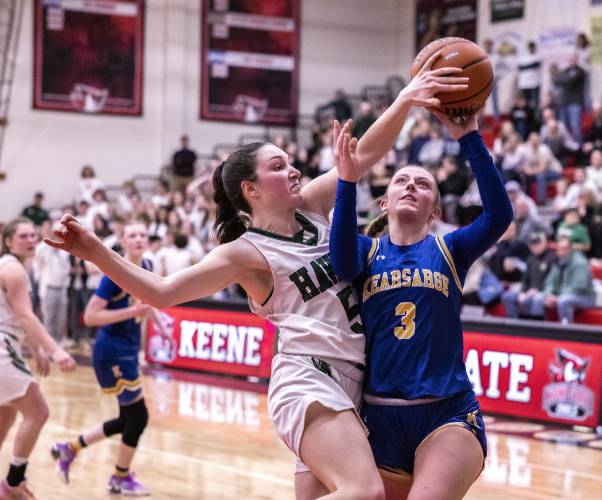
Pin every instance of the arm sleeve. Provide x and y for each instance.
(470, 242)
(348, 250)
(107, 289)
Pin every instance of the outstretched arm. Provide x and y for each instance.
(380, 137)
(229, 263)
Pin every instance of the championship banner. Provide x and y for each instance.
(539, 379)
(211, 340)
(88, 56)
(250, 61)
(436, 19)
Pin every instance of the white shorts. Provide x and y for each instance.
(15, 375)
(297, 382)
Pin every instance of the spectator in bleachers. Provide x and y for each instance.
(161, 196)
(35, 212)
(508, 260)
(593, 138)
(527, 224)
(325, 153)
(494, 58)
(379, 177)
(88, 183)
(452, 183)
(436, 147)
(52, 273)
(548, 114)
(555, 135)
(83, 214)
(183, 165)
(176, 257)
(99, 204)
(572, 82)
(158, 226)
(584, 59)
(506, 130)
(569, 286)
(100, 226)
(523, 117)
(420, 135)
(594, 172)
(340, 105)
(126, 198)
(529, 74)
(364, 121)
(528, 301)
(568, 195)
(511, 160)
(541, 166)
(79, 293)
(571, 228)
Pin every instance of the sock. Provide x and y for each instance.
(16, 471)
(121, 472)
(77, 444)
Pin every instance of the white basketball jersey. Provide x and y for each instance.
(315, 313)
(9, 324)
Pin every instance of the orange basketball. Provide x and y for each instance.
(460, 53)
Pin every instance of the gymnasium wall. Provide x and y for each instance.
(552, 24)
(344, 43)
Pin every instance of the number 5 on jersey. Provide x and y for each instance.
(407, 311)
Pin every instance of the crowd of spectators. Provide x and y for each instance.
(551, 164)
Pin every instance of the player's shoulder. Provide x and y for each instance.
(241, 253)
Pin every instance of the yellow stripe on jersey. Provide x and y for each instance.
(449, 259)
(122, 385)
(373, 249)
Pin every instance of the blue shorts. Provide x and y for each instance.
(119, 376)
(396, 432)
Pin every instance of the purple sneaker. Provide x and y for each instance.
(127, 486)
(64, 456)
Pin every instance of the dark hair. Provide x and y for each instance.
(227, 193)
(180, 240)
(9, 231)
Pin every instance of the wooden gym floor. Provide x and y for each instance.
(209, 438)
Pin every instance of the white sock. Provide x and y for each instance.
(18, 461)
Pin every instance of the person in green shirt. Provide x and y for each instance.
(569, 286)
(35, 213)
(572, 228)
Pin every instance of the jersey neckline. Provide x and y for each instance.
(307, 235)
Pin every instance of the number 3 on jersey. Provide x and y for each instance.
(407, 311)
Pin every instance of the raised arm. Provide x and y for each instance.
(347, 248)
(379, 138)
(470, 242)
(230, 263)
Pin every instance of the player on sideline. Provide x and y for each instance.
(19, 391)
(420, 409)
(282, 263)
(115, 357)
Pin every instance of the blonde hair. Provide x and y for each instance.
(377, 227)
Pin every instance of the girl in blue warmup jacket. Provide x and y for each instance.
(426, 429)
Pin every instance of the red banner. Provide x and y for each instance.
(250, 61)
(236, 343)
(536, 378)
(88, 56)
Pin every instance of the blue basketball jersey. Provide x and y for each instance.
(411, 295)
(411, 298)
(121, 336)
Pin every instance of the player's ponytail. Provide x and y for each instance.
(377, 226)
(227, 192)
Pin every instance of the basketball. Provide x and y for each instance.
(475, 64)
